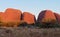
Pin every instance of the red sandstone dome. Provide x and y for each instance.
(57, 17)
(2, 16)
(1, 13)
(46, 16)
(12, 15)
(28, 18)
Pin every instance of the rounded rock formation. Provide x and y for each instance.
(28, 18)
(46, 16)
(57, 17)
(12, 17)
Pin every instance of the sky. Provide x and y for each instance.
(32, 6)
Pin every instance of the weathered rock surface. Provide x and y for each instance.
(57, 17)
(12, 15)
(28, 18)
(46, 16)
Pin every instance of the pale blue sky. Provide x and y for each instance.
(32, 6)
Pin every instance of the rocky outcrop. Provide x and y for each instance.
(46, 16)
(57, 17)
(28, 18)
(14, 17)
(41, 15)
(1, 13)
(11, 16)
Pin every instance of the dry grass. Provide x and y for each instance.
(29, 32)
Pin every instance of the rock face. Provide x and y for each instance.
(57, 17)
(14, 17)
(28, 18)
(46, 16)
(1, 14)
(11, 16)
(41, 15)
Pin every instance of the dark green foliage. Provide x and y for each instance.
(30, 25)
(52, 24)
(26, 25)
(23, 24)
(38, 24)
(56, 25)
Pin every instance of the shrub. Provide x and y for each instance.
(23, 24)
(38, 24)
(51, 24)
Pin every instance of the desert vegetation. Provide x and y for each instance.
(52, 24)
